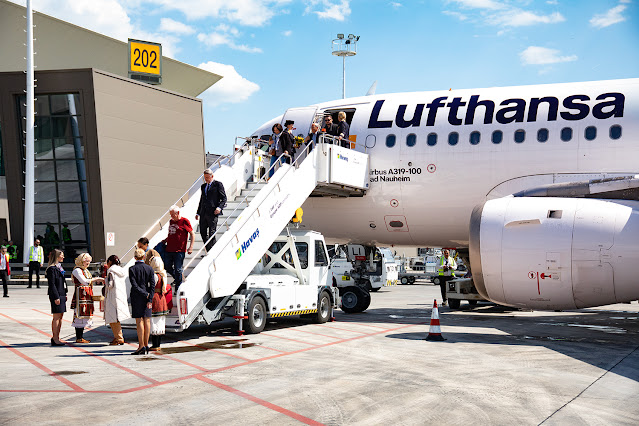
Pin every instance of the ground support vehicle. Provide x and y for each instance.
(412, 269)
(462, 289)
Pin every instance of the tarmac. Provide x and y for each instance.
(498, 366)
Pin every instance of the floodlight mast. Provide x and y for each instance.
(345, 47)
(29, 166)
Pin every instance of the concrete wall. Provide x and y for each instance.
(151, 150)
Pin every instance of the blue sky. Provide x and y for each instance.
(276, 54)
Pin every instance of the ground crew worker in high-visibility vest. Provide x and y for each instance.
(36, 259)
(447, 266)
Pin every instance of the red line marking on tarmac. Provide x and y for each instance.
(286, 338)
(343, 329)
(261, 402)
(378, 327)
(128, 370)
(134, 345)
(316, 334)
(42, 367)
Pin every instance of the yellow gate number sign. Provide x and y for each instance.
(145, 57)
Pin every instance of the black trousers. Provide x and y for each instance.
(443, 281)
(208, 225)
(34, 266)
(5, 280)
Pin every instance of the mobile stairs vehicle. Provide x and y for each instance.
(252, 273)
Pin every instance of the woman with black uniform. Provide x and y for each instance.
(57, 293)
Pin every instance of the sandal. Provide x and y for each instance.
(82, 341)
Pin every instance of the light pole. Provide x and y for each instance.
(344, 46)
(29, 172)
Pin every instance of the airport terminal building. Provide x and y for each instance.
(111, 153)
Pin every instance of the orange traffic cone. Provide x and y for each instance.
(435, 333)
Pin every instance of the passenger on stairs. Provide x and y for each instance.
(143, 243)
(330, 128)
(275, 148)
(313, 137)
(287, 141)
(179, 231)
(212, 201)
(344, 130)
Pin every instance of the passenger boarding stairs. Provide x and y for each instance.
(257, 211)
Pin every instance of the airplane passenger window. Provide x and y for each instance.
(453, 138)
(411, 139)
(497, 137)
(590, 133)
(431, 140)
(542, 135)
(390, 141)
(566, 134)
(520, 135)
(475, 137)
(615, 132)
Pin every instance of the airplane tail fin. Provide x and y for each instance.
(371, 91)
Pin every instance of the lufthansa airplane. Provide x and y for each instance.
(537, 185)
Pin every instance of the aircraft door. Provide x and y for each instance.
(303, 117)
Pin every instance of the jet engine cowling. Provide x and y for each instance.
(555, 253)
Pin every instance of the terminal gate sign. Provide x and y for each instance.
(145, 61)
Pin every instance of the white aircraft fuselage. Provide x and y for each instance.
(436, 156)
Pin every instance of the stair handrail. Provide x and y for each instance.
(216, 165)
(294, 165)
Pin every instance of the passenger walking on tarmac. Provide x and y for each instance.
(179, 231)
(212, 200)
(5, 270)
(142, 284)
(36, 259)
(343, 130)
(330, 128)
(82, 302)
(447, 266)
(287, 141)
(116, 306)
(57, 293)
(275, 147)
(160, 308)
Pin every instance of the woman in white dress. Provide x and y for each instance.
(116, 307)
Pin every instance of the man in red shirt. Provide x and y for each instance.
(179, 230)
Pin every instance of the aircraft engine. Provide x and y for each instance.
(555, 253)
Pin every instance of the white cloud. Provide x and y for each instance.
(287, 33)
(224, 35)
(395, 5)
(523, 18)
(611, 17)
(479, 4)
(171, 26)
(233, 88)
(328, 10)
(535, 55)
(552, 2)
(454, 14)
(243, 12)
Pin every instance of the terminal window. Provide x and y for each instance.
(61, 199)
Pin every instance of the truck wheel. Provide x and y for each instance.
(472, 302)
(256, 315)
(404, 280)
(454, 303)
(354, 299)
(365, 301)
(323, 309)
(411, 280)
